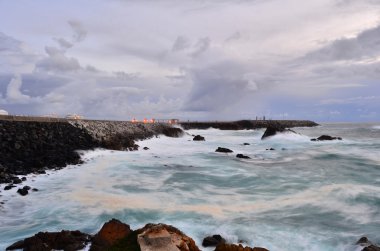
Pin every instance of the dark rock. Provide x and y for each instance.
(146, 148)
(223, 150)
(22, 191)
(35, 190)
(371, 248)
(23, 178)
(9, 187)
(26, 188)
(275, 128)
(213, 241)
(241, 156)
(326, 137)
(17, 181)
(270, 149)
(64, 240)
(363, 240)
(246, 144)
(198, 138)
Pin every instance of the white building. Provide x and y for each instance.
(3, 112)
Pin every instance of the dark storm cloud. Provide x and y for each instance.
(365, 45)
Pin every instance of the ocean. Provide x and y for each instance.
(315, 196)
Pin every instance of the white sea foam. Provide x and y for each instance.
(273, 200)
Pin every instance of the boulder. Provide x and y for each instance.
(146, 148)
(9, 187)
(22, 191)
(111, 232)
(368, 246)
(64, 240)
(223, 150)
(161, 237)
(198, 138)
(326, 137)
(275, 128)
(246, 144)
(213, 241)
(233, 247)
(241, 156)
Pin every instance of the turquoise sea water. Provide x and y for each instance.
(305, 195)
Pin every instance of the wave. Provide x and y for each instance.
(376, 127)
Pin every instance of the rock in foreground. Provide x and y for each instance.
(213, 241)
(233, 247)
(64, 240)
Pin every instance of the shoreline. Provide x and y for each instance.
(35, 146)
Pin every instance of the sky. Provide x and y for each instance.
(191, 59)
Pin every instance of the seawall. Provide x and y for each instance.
(246, 124)
(34, 146)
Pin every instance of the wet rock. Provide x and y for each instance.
(161, 237)
(146, 148)
(246, 144)
(17, 180)
(26, 188)
(198, 138)
(111, 232)
(270, 149)
(326, 137)
(233, 247)
(368, 245)
(23, 178)
(371, 248)
(64, 240)
(35, 190)
(213, 241)
(223, 150)
(275, 128)
(22, 191)
(9, 187)
(241, 156)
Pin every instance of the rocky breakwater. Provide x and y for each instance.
(34, 146)
(121, 135)
(30, 147)
(246, 124)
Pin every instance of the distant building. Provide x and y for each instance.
(3, 112)
(74, 116)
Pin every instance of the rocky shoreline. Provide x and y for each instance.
(247, 124)
(118, 236)
(35, 146)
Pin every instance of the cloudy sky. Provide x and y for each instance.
(191, 59)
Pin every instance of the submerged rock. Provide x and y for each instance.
(64, 240)
(223, 150)
(326, 137)
(241, 156)
(213, 241)
(146, 148)
(199, 138)
(246, 144)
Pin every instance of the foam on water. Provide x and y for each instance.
(304, 195)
